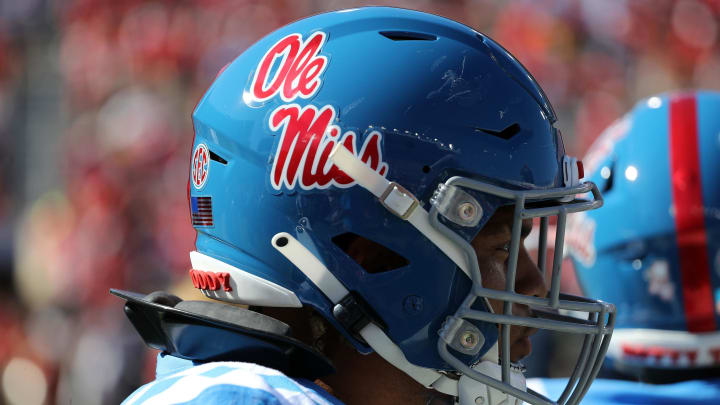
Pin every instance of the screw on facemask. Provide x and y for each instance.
(489, 375)
(469, 339)
(457, 205)
(462, 335)
(600, 316)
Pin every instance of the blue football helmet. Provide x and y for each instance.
(654, 249)
(407, 130)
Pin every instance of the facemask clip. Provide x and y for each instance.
(457, 205)
(462, 335)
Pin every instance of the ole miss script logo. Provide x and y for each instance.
(307, 133)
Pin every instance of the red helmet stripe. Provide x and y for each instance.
(689, 219)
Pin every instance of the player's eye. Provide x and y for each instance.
(506, 247)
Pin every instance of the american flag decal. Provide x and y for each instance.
(201, 211)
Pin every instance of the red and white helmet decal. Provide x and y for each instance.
(299, 72)
(307, 133)
(200, 166)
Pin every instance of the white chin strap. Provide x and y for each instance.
(403, 204)
(399, 201)
(316, 271)
(469, 391)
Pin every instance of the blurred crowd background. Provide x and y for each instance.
(95, 136)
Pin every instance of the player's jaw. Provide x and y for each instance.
(520, 344)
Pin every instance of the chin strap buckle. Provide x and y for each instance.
(398, 200)
(353, 314)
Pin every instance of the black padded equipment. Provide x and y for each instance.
(206, 331)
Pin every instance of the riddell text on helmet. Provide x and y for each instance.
(307, 133)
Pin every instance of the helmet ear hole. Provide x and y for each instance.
(370, 255)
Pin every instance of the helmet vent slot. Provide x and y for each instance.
(214, 156)
(407, 36)
(506, 133)
(608, 173)
(370, 255)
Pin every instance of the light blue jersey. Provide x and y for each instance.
(180, 381)
(609, 392)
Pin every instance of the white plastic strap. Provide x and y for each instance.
(381, 343)
(316, 271)
(310, 265)
(355, 168)
(418, 217)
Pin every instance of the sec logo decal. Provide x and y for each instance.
(200, 166)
